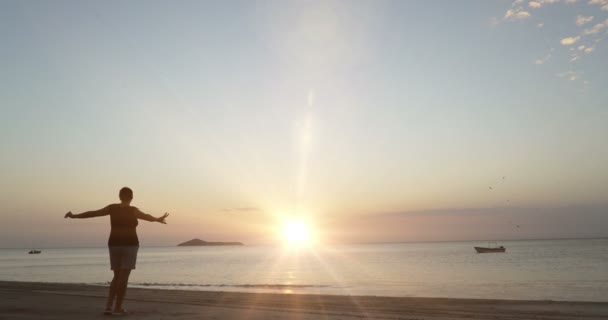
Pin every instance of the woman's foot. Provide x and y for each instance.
(121, 312)
(107, 312)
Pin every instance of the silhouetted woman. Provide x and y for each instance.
(123, 243)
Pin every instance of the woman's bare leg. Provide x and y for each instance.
(112, 290)
(121, 289)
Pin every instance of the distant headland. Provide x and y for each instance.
(199, 242)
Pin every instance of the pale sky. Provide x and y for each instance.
(360, 117)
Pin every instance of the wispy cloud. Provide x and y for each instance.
(542, 60)
(570, 75)
(582, 37)
(518, 13)
(574, 57)
(603, 4)
(241, 209)
(596, 28)
(569, 40)
(582, 20)
(585, 49)
(540, 3)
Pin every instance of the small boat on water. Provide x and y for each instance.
(492, 247)
(34, 251)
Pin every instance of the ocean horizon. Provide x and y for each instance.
(479, 241)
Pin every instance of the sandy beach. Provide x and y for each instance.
(25, 300)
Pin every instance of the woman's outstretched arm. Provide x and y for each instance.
(147, 217)
(89, 214)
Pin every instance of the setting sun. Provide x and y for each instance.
(297, 232)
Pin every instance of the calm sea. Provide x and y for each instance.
(547, 269)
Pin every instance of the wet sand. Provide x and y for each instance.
(30, 300)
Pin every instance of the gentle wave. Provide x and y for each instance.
(252, 286)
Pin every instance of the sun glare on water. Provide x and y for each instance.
(297, 233)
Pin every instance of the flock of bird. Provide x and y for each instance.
(492, 188)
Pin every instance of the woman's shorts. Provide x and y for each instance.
(123, 257)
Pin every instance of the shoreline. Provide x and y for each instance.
(36, 300)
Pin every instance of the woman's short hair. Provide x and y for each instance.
(125, 194)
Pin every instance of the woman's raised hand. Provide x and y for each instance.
(162, 219)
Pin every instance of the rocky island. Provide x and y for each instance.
(199, 242)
